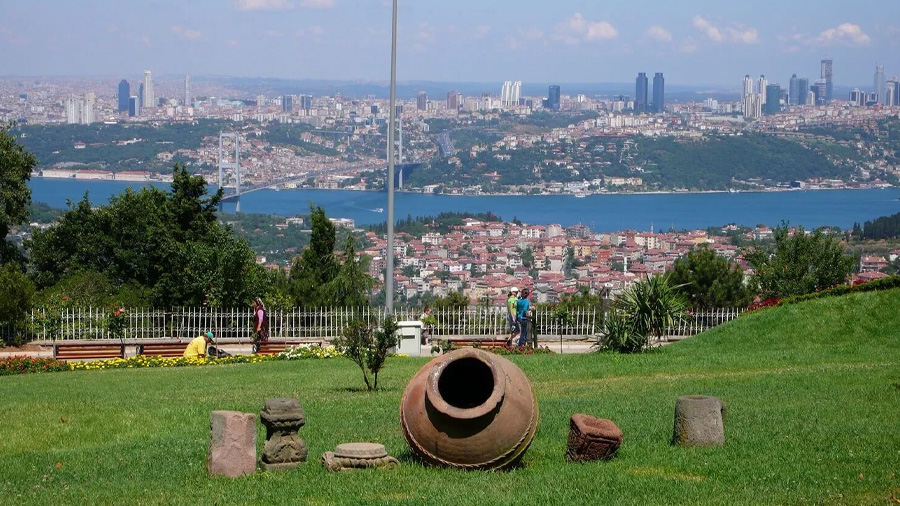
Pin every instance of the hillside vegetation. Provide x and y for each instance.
(813, 392)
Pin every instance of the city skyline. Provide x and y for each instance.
(698, 43)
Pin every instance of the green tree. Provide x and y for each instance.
(169, 243)
(368, 347)
(708, 280)
(316, 266)
(800, 263)
(351, 285)
(16, 293)
(16, 165)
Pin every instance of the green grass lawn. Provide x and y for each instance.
(813, 393)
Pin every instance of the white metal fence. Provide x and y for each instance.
(325, 323)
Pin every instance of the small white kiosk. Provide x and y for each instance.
(410, 338)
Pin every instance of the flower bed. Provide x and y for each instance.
(25, 365)
(295, 353)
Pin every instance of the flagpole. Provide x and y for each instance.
(389, 269)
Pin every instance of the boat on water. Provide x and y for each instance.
(378, 210)
(580, 195)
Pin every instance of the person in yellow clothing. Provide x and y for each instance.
(197, 347)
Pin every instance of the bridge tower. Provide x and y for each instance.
(235, 164)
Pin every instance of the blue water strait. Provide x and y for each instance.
(603, 213)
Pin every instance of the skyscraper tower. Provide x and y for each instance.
(453, 100)
(794, 91)
(827, 75)
(505, 92)
(892, 91)
(187, 90)
(659, 93)
(553, 97)
(761, 88)
(640, 92)
(803, 85)
(516, 93)
(773, 96)
(140, 96)
(880, 85)
(287, 103)
(421, 101)
(149, 101)
(124, 93)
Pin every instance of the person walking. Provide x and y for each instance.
(512, 305)
(260, 324)
(523, 311)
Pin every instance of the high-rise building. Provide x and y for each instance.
(880, 85)
(659, 93)
(124, 93)
(640, 92)
(803, 85)
(510, 93)
(421, 101)
(134, 106)
(553, 97)
(305, 102)
(794, 93)
(857, 97)
(140, 96)
(810, 97)
(828, 76)
(261, 101)
(761, 88)
(892, 91)
(80, 110)
(149, 100)
(749, 100)
(453, 100)
(820, 88)
(773, 99)
(187, 90)
(287, 103)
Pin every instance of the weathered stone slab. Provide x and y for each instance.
(592, 438)
(699, 421)
(232, 448)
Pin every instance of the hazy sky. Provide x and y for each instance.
(694, 42)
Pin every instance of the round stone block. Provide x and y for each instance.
(360, 451)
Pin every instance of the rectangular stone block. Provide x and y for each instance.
(232, 445)
(592, 438)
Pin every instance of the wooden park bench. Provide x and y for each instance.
(162, 349)
(276, 347)
(479, 343)
(88, 351)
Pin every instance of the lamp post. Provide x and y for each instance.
(389, 269)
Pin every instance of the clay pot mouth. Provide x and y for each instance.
(467, 385)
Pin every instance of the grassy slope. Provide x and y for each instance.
(813, 393)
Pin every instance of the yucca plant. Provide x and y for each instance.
(642, 314)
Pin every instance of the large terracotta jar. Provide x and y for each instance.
(469, 409)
